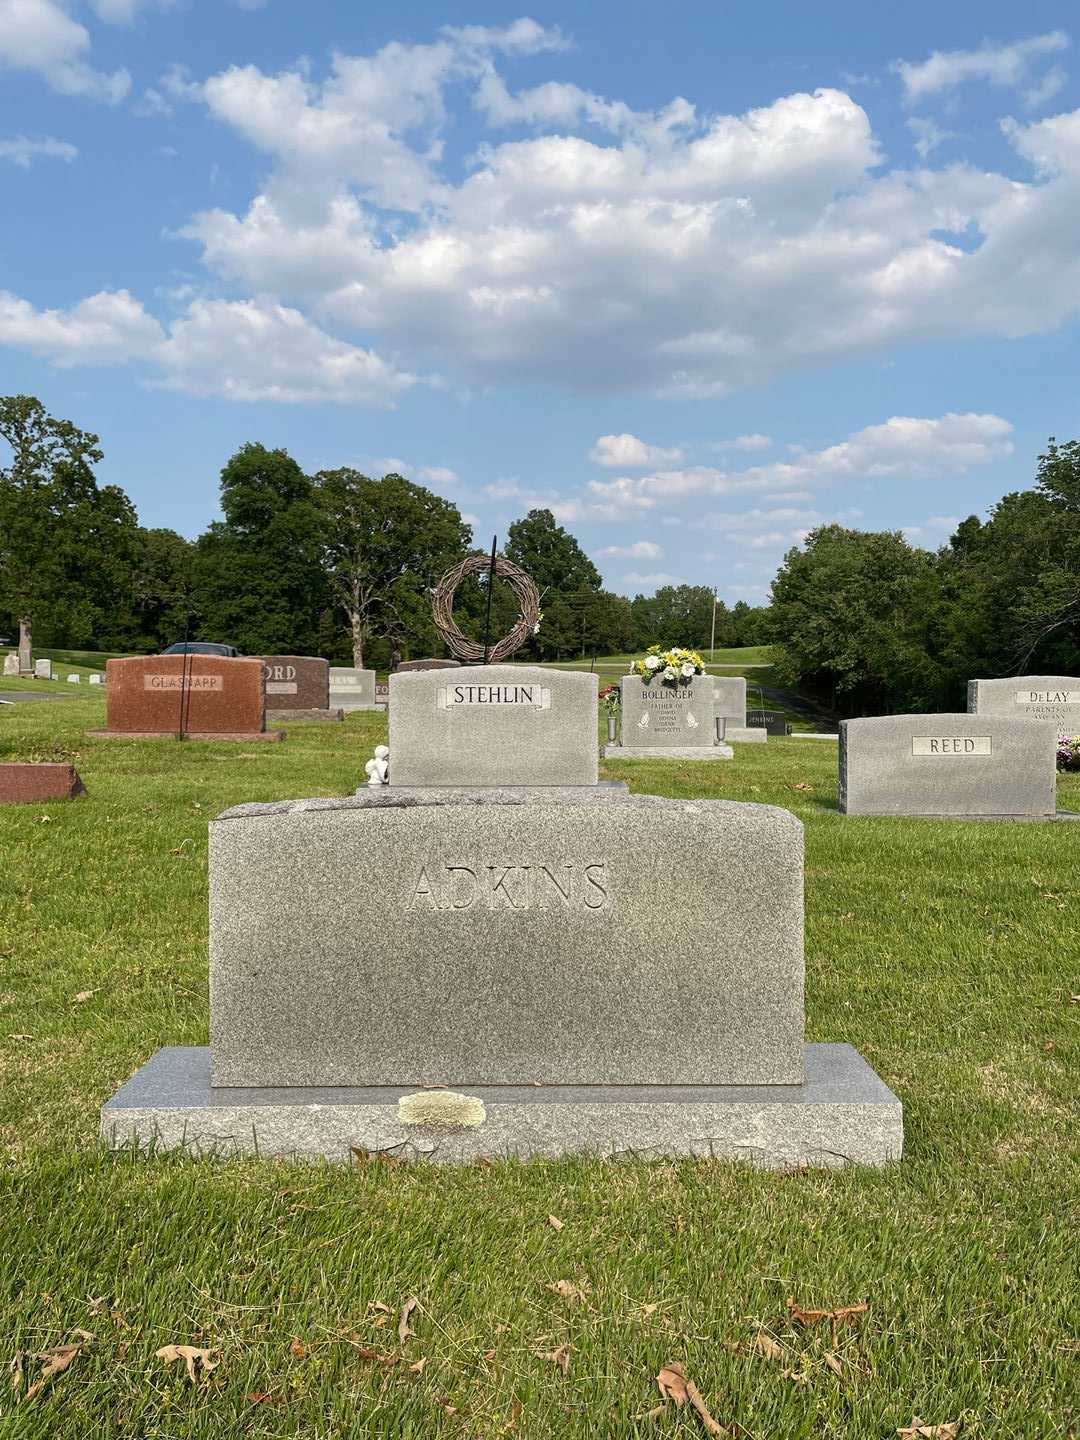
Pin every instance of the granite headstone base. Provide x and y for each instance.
(668, 752)
(244, 735)
(745, 734)
(842, 1114)
(331, 714)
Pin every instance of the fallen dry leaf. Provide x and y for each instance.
(811, 1317)
(366, 1353)
(84, 995)
(297, 1349)
(515, 1415)
(417, 1368)
(555, 1222)
(832, 1360)
(16, 1370)
(796, 1377)
(374, 1157)
(53, 1362)
(649, 1309)
(20, 1037)
(559, 1357)
(674, 1385)
(919, 1430)
(569, 1291)
(260, 1397)
(404, 1329)
(802, 785)
(765, 1345)
(446, 1407)
(191, 1355)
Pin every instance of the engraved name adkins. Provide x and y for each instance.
(952, 745)
(449, 697)
(567, 885)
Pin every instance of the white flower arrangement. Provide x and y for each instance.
(675, 667)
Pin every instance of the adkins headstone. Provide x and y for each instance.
(506, 943)
(221, 697)
(1036, 697)
(975, 766)
(493, 725)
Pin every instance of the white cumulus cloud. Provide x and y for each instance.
(1009, 66)
(639, 550)
(630, 453)
(40, 36)
(23, 151)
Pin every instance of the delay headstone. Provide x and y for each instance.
(963, 766)
(493, 725)
(1036, 697)
(212, 696)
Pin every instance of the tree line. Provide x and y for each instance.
(869, 624)
(337, 564)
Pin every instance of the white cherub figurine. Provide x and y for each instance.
(378, 769)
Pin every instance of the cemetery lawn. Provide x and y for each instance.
(947, 953)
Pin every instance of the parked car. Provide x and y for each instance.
(202, 647)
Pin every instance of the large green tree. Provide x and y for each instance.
(258, 577)
(385, 543)
(65, 542)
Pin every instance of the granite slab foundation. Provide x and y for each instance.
(842, 1114)
(234, 736)
(745, 734)
(305, 715)
(668, 752)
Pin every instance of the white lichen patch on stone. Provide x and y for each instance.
(441, 1107)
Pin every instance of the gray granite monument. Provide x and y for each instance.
(1033, 697)
(43, 669)
(730, 695)
(463, 969)
(661, 721)
(962, 766)
(351, 689)
(11, 663)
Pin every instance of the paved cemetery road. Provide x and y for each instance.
(787, 700)
(31, 695)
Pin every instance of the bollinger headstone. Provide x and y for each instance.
(352, 689)
(961, 765)
(493, 725)
(11, 663)
(43, 669)
(149, 694)
(1036, 697)
(656, 714)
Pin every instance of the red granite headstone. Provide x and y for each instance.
(296, 682)
(217, 696)
(23, 783)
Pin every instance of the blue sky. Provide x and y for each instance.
(698, 277)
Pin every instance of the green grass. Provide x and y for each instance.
(946, 952)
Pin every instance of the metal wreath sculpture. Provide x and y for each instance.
(442, 608)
